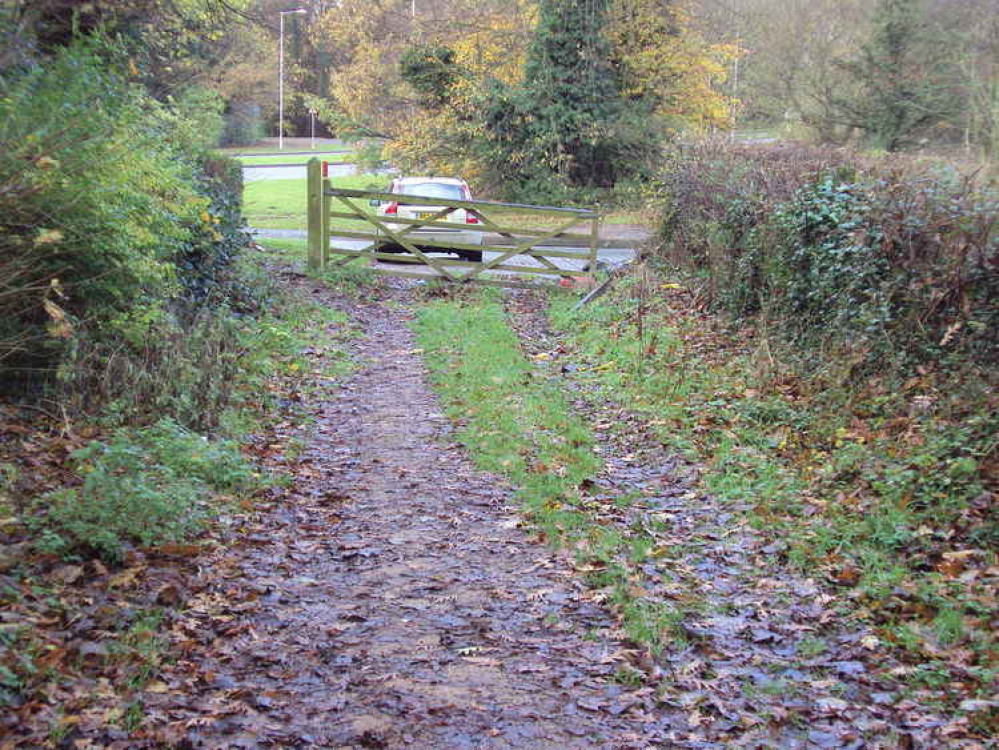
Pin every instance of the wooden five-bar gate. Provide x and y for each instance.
(510, 255)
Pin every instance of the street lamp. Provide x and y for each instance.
(282, 14)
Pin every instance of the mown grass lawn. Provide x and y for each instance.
(280, 204)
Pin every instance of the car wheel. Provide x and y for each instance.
(473, 255)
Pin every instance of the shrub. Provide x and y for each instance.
(148, 486)
(715, 192)
(908, 268)
(204, 262)
(896, 265)
(101, 209)
(200, 121)
(148, 364)
(75, 202)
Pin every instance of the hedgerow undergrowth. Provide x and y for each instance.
(821, 336)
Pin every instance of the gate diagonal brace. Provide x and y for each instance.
(398, 238)
(530, 243)
(346, 260)
(492, 226)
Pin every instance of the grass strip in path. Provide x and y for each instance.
(513, 424)
(517, 422)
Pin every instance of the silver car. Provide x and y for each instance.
(449, 188)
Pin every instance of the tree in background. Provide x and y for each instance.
(666, 63)
(173, 44)
(430, 71)
(488, 47)
(173, 47)
(364, 41)
(895, 74)
(970, 29)
(575, 118)
(787, 71)
(903, 81)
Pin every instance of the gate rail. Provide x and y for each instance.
(551, 252)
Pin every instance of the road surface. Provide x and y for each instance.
(296, 172)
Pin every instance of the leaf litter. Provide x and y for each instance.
(387, 598)
(760, 656)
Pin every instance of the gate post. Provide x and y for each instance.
(594, 243)
(315, 202)
(325, 202)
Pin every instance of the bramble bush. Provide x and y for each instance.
(838, 251)
(868, 289)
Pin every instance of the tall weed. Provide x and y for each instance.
(148, 486)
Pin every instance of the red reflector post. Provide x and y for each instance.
(326, 168)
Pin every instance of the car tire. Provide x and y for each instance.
(473, 255)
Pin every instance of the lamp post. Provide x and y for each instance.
(281, 15)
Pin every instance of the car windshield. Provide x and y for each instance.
(432, 190)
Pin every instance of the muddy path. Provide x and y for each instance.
(390, 598)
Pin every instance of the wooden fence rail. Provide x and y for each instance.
(518, 254)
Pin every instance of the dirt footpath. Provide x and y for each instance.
(390, 599)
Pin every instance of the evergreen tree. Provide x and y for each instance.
(902, 78)
(568, 125)
(572, 91)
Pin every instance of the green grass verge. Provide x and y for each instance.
(882, 506)
(271, 146)
(280, 204)
(517, 423)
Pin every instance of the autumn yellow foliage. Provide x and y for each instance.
(665, 60)
(660, 56)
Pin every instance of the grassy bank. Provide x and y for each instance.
(878, 491)
(280, 204)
